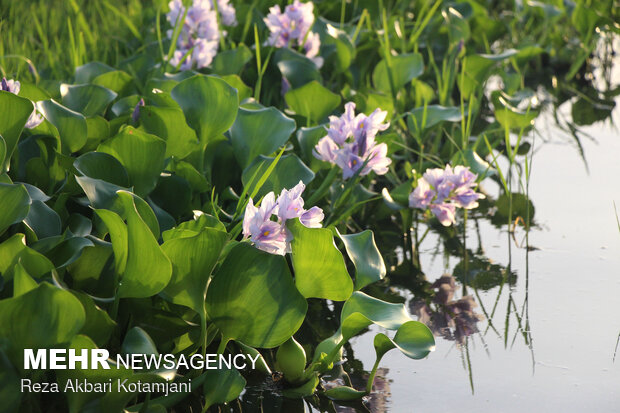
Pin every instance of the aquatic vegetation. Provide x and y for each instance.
(175, 198)
(444, 190)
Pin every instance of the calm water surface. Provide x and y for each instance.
(567, 288)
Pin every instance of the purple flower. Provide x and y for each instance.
(292, 28)
(265, 226)
(13, 86)
(350, 142)
(199, 32)
(445, 213)
(136, 111)
(444, 190)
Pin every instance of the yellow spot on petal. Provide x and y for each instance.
(354, 162)
(266, 233)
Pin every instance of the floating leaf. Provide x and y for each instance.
(312, 101)
(209, 104)
(15, 113)
(89, 100)
(170, 125)
(252, 298)
(363, 251)
(402, 69)
(286, 174)
(222, 386)
(319, 267)
(259, 132)
(15, 205)
(71, 125)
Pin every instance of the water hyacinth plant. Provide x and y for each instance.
(179, 203)
(442, 191)
(292, 29)
(273, 236)
(199, 38)
(350, 143)
(13, 86)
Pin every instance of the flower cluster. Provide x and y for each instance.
(350, 142)
(444, 190)
(265, 226)
(13, 86)
(199, 33)
(292, 28)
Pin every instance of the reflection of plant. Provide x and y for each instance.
(453, 319)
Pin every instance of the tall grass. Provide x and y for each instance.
(55, 36)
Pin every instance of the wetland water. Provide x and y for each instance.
(569, 288)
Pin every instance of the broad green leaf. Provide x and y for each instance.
(2, 152)
(14, 250)
(22, 281)
(362, 310)
(137, 341)
(343, 49)
(10, 388)
(15, 205)
(173, 194)
(97, 130)
(431, 115)
(117, 81)
(32, 92)
(344, 393)
(193, 227)
(193, 259)
(291, 360)
(319, 266)
(141, 154)
(100, 165)
(91, 266)
(71, 125)
(305, 390)
(308, 138)
(43, 220)
(476, 71)
(259, 132)
(210, 105)
(87, 72)
(15, 113)
(222, 386)
(148, 270)
(41, 318)
(231, 62)
(98, 325)
(170, 125)
(89, 100)
(404, 68)
(312, 101)
(252, 298)
(67, 251)
(478, 165)
(299, 72)
(286, 174)
(414, 339)
(363, 251)
(243, 90)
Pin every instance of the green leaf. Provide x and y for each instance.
(414, 339)
(291, 360)
(71, 125)
(2, 153)
(362, 310)
(319, 266)
(116, 80)
(89, 100)
(44, 317)
(209, 103)
(100, 165)
(141, 154)
(478, 165)
(15, 113)
(22, 281)
(404, 68)
(170, 125)
(298, 72)
(193, 259)
(252, 298)
(43, 220)
(15, 205)
(243, 90)
(148, 270)
(86, 73)
(137, 341)
(222, 386)
(14, 250)
(231, 62)
(434, 114)
(98, 325)
(363, 251)
(259, 132)
(312, 101)
(286, 174)
(344, 393)
(10, 389)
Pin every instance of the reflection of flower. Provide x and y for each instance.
(449, 318)
(199, 32)
(272, 235)
(13, 86)
(292, 28)
(444, 190)
(350, 142)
